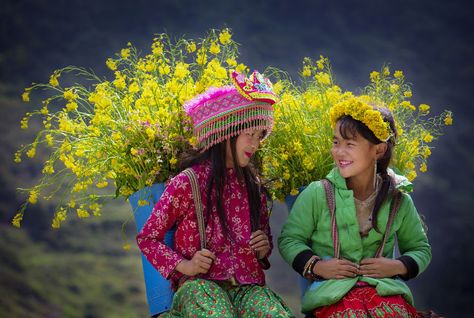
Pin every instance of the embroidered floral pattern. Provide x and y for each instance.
(176, 206)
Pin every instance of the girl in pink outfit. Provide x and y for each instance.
(226, 278)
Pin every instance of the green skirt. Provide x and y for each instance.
(205, 298)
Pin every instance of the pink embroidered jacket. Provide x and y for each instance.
(176, 206)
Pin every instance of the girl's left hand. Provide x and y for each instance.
(260, 243)
(381, 267)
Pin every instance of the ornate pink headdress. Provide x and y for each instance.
(221, 113)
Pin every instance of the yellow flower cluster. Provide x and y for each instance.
(125, 132)
(416, 131)
(361, 111)
(298, 150)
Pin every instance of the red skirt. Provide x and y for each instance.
(363, 301)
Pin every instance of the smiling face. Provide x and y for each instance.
(245, 146)
(354, 155)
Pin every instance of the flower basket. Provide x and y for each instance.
(158, 289)
(298, 150)
(108, 138)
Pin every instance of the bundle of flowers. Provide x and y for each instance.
(110, 138)
(298, 150)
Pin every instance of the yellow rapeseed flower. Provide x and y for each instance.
(150, 66)
(26, 95)
(125, 53)
(448, 120)
(44, 110)
(151, 133)
(201, 57)
(70, 95)
(411, 175)
(102, 184)
(111, 64)
(24, 122)
(408, 105)
(32, 152)
(133, 88)
(181, 70)
(323, 78)
(72, 203)
(374, 76)
(16, 222)
(398, 74)
(231, 62)
(82, 212)
(95, 208)
(424, 108)
(48, 169)
(426, 152)
(17, 157)
(164, 69)
(53, 80)
(410, 165)
(125, 191)
(58, 218)
(224, 36)
(191, 47)
(242, 68)
(394, 88)
(306, 71)
(157, 48)
(294, 192)
(33, 197)
(119, 81)
(321, 62)
(423, 167)
(71, 106)
(428, 138)
(308, 163)
(215, 48)
(407, 94)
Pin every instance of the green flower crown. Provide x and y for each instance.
(358, 109)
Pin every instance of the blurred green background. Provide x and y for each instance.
(83, 271)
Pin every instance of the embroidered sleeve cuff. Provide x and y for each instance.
(300, 260)
(169, 270)
(411, 265)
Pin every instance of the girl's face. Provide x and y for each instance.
(356, 156)
(246, 145)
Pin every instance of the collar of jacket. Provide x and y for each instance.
(339, 182)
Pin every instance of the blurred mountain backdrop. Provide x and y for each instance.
(83, 271)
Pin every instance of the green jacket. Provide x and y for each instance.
(309, 227)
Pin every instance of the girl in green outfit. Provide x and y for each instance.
(347, 250)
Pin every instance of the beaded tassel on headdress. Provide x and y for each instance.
(221, 113)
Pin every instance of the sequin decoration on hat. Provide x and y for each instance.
(221, 113)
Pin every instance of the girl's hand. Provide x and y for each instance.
(260, 243)
(381, 267)
(335, 268)
(200, 263)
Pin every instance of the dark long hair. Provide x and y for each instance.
(348, 128)
(217, 157)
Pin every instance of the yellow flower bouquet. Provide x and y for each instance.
(125, 133)
(298, 150)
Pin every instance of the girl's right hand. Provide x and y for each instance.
(335, 268)
(200, 263)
